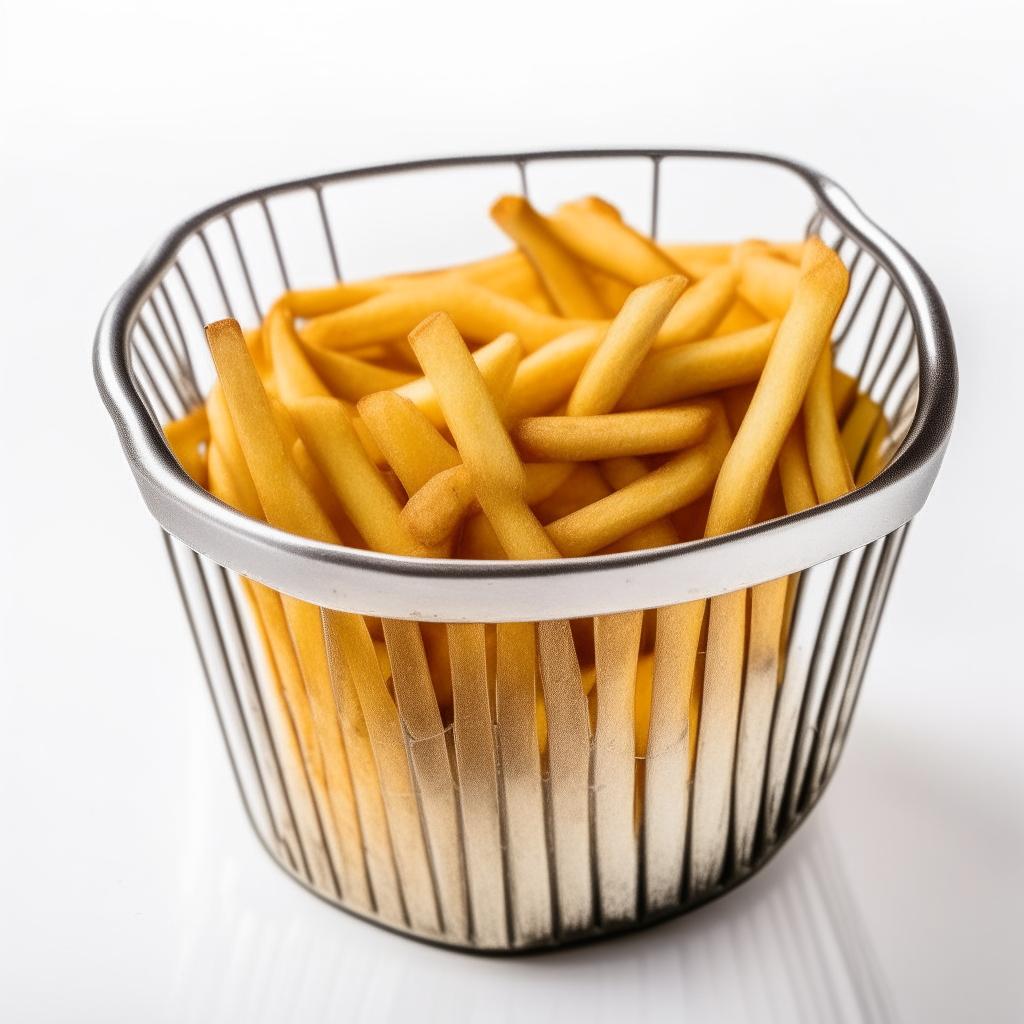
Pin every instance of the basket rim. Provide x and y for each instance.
(453, 590)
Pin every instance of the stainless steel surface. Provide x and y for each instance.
(134, 353)
(892, 335)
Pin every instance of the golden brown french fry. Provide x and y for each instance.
(410, 442)
(700, 310)
(479, 541)
(350, 378)
(628, 340)
(768, 284)
(681, 480)
(481, 437)
(795, 471)
(260, 356)
(829, 468)
(697, 261)
(700, 367)
(690, 521)
(600, 238)
(287, 501)
(545, 378)
(510, 274)
(741, 317)
(621, 472)
(185, 436)
(791, 252)
(365, 496)
(498, 363)
(563, 278)
(801, 338)
(583, 486)
(477, 312)
(591, 438)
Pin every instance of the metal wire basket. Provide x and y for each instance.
(524, 857)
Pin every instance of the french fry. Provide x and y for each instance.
(592, 438)
(366, 498)
(582, 487)
(741, 317)
(314, 302)
(498, 363)
(477, 312)
(860, 424)
(697, 261)
(681, 480)
(479, 541)
(546, 378)
(355, 671)
(612, 291)
(844, 393)
(293, 372)
(795, 471)
(325, 496)
(628, 340)
(224, 439)
(597, 235)
(829, 467)
(799, 342)
(480, 435)
(621, 472)
(410, 442)
(287, 501)
(768, 284)
(350, 378)
(185, 436)
(875, 459)
(700, 367)
(700, 310)
(563, 278)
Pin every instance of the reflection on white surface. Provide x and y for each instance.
(787, 946)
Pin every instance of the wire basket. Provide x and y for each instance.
(475, 833)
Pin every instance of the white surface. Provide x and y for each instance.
(131, 886)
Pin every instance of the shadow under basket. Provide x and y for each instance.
(421, 741)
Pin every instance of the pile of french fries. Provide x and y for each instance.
(587, 392)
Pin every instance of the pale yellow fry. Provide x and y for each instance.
(293, 372)
(681, 480)
(592, 438)
(498, 363)
(768, 284)
(595, 233)
(224, 439)
(802, 335)
(184, 436)
(354, 664)
(477, 312)
(700, 367)
(545, 378)
(700, 310)
(287, 502)
(874, 460)
(829, 468)
(563, 278)
(319, 301)
(621, 472)
(844, 392)
(863, 418)
(628, 340)
(350, 378)
(612, 291)
(697, 261)
(324, 494)
(481, 437)
(741, 317)
(795, 471)
(410, 442)
(364, 494)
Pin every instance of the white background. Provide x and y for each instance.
(130, 885)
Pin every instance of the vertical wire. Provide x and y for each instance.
(172, 347)
(318, 191)
(655, 195)
(155, 392)
(521, 164)
(191, 294)
(857, 305)
(888, 350)
(171, 378)
(177, 326)
(245, 266)
(910, 348)
(277, 246)
(890, 288)
(216, 273)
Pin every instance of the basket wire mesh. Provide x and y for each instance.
(512, 858)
